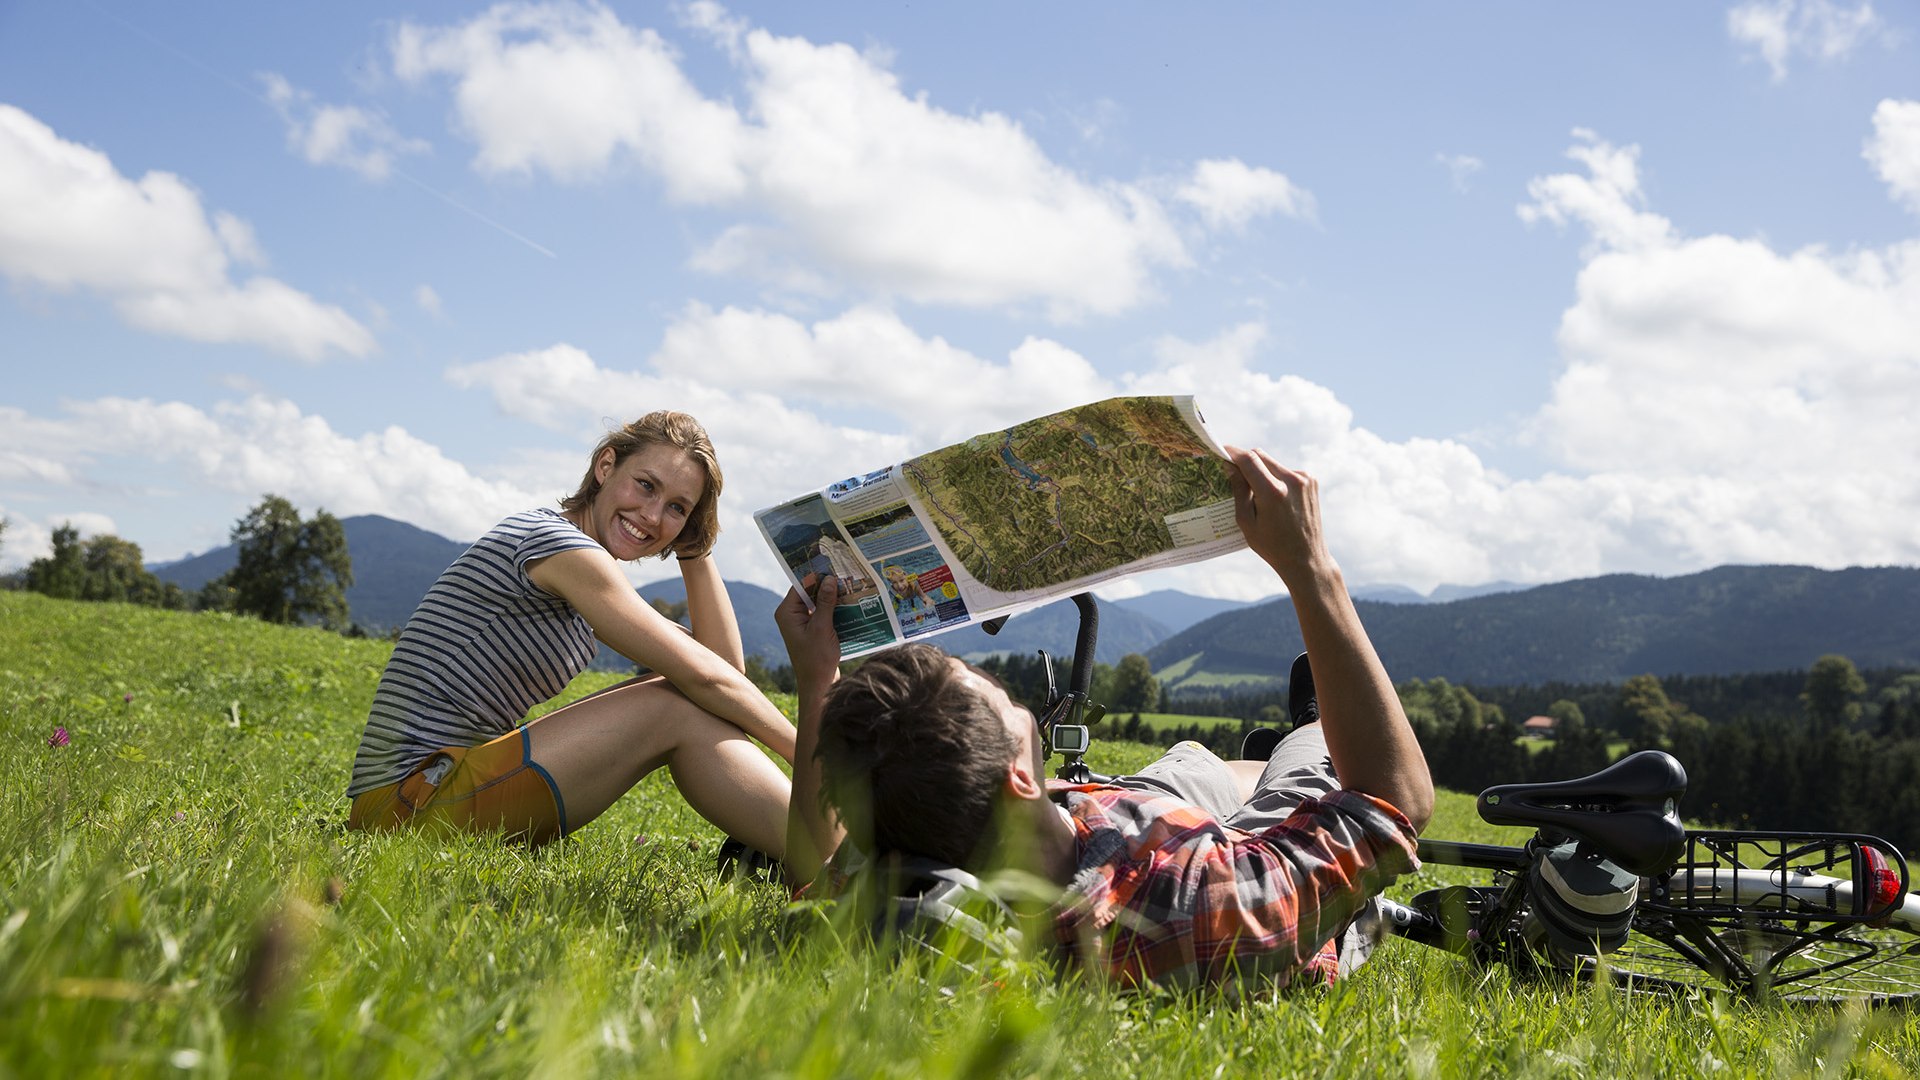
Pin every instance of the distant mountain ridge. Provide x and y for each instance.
(1054, 627)
(1729, 620)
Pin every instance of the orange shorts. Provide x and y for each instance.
(496, 785)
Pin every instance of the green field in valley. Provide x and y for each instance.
(177, 897)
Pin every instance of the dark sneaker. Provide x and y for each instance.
(1259, 744)
(1302, 704)
(736, 859)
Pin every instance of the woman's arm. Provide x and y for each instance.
(591, 582)
(711, 612)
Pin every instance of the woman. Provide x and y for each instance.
(515, 618)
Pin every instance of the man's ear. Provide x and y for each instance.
(1021, 783)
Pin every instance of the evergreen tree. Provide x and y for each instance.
(1832, 694)
(1134, 686)
(290, 570)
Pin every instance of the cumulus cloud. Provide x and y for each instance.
(429, 300)
(1894, 149)
(261, 444)
(1607, 200)
(1777, 29)
(344, 135)
(1749, 404)
(1231, 193)
(69, 220)
(858, 183)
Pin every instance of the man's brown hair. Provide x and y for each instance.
(913, 758)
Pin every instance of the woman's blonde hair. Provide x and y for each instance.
(684, 433)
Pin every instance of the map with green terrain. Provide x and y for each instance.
(1069, 495)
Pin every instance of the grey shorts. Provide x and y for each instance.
(1298, 769)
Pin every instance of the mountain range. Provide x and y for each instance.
(1729, 620)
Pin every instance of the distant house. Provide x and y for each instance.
(1538, 727)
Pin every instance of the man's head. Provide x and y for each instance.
(916, 749)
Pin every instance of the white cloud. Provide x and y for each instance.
(1231, 193)
(1776, 29)
(1607, 200)
(428, 299)
(344, 135)
(567, 89)
(1460, 167)
(862, 185)
(69, 220)
(1749, 404)
(261, 444)
(1894, 149)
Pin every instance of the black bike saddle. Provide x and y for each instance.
(1630, 809)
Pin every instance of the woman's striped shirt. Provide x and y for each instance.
(485, 645)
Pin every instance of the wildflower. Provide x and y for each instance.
(127, 698)
(59, 738)
(640, 841)
(179, 815)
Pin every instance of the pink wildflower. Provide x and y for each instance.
(60, 737)
(128, 698)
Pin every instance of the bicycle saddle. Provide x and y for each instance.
(1629, 809)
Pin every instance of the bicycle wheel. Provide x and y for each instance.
(1655, 957)
(1763, 953)
(1758, 949)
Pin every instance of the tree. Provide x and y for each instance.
(63, 574)
(1650, 718)
(1834, 687)
(1134, 687)
(289, 570)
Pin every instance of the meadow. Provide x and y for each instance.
(178, 897)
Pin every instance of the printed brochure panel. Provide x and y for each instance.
(812, 545)
(924, 595)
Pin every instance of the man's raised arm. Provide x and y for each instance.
(1372, 745)
(814, 650)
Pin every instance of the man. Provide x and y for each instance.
(1194, 871)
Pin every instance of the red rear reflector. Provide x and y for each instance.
(1883, 885)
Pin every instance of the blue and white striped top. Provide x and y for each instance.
(485, 645)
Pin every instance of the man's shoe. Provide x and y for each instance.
(1302, 704)
(736, 859)
(1259, 744)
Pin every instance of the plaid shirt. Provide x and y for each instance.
(1165, 893)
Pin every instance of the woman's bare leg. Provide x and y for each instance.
(600, 746)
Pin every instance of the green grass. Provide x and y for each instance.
(177, 897)
(1160, 721)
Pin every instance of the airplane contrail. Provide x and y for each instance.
(262, 99)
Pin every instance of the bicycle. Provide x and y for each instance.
(1613, 886)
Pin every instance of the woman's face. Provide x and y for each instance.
(644, 500)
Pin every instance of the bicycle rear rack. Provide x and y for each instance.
(1783, 876)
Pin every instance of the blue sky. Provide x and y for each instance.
(1538, 291)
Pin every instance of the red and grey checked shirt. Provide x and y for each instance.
(1165, 893)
